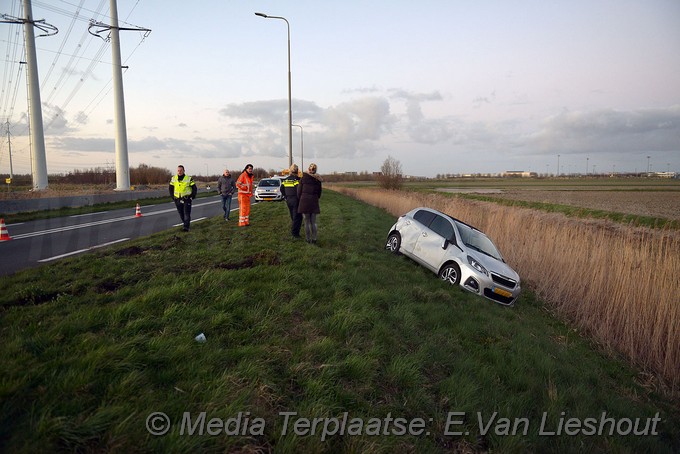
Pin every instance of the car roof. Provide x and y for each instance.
(446, 216)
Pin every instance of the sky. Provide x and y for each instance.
(443, 86)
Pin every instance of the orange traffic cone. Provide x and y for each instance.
(4, 234)
(138, 212)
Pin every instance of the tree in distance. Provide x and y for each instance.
(390, 174)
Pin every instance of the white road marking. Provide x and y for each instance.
(56, 257)
(101, 222)
(85, 225)
(192, 221)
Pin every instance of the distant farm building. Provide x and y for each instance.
(519, 174)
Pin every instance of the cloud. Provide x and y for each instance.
(364, 90)
(82, 118)
(480, 100)
(347, 129)
(609, 130)
(419, 128)
(54, 120)
(265, 112)
(399, 93)
(71, 144)
(353, 129)
(154, 144)
(367, 126)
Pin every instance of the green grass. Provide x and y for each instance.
(94, 344)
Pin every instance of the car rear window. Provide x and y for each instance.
(424, 217)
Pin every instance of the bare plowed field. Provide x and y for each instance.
(660, 204)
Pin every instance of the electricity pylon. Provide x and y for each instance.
(122, 166)
(37, 134)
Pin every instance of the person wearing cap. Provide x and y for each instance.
(309, 193)
(245, 191)
(183, 190)
(290, 186)
(226, 187)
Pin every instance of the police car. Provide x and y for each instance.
(268, 189)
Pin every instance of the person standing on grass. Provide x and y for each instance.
(290, 185)
(245, 191)
(183, 190)
(309, 193)
(226, 187)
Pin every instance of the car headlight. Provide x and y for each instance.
(476, 265)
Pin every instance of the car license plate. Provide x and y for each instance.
(500, 291)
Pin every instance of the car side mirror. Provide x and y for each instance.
(446, 244)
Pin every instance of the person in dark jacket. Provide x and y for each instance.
(226, 186)
(183, 190)
(289, 187)
(309, 193)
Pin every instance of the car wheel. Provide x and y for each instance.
(450, 273)
(393, 243)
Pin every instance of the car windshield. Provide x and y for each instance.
(269, 183)
(477, 241)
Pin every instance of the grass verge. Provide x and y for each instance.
(94, 344)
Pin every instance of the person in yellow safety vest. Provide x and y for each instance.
(289, 189)
(245, 191)
(183, 190)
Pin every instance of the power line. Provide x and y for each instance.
(16, 89)
(77, 12)
(46, 77)
(69, 12)
(74, 60)
(13, 30)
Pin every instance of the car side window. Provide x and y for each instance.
(424, 217)
(442, 227)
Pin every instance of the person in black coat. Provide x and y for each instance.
(309, 193)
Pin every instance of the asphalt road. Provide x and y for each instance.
(45, 241)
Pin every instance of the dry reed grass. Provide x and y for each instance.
(618, 283)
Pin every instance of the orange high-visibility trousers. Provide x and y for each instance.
(243, 210)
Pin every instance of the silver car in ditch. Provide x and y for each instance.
(459, 253)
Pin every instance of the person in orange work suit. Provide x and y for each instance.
(245, 191)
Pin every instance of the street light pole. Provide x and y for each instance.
(290, 100)
(302, 149)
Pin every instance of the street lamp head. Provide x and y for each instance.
(261, 14)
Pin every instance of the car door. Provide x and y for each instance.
(430, 245)
(412, 228)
